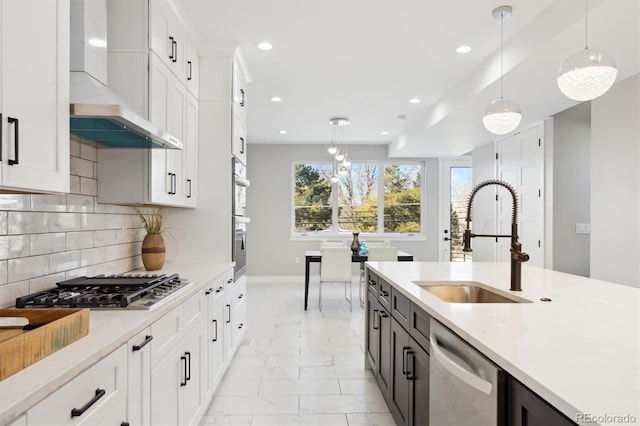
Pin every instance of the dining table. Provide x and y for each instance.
(315, 256)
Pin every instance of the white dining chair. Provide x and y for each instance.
(377, 254)
(335, 267)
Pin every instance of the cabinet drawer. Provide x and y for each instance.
(167, 332)
(105, 384)
(372, 282)
(240, 290)
(400, 308)
(193, 311)
(384, 293)
(419, 327)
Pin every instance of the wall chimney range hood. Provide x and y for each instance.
(96, 112)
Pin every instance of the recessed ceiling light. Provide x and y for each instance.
(265, 45)
(384, 132)
(463, 49)
(275, 99)
(283, 132)
(414, 100)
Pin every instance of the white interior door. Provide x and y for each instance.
(457, 183)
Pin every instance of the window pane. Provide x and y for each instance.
(402, 197)
(312, 197)
(461, 186)
(358, 198)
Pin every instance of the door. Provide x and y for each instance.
(457, 183)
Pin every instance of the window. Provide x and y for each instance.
(371, 197)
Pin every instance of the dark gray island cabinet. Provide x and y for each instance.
(398, 353)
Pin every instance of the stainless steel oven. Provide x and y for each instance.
(240, 219)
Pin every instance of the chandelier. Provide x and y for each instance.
(339, 134)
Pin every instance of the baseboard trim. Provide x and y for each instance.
(285, 279)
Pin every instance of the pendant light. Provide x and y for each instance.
(587, 74)
(502, 116)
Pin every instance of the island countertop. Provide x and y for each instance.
(580, 351)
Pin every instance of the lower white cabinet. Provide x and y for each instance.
(139, 378)
(214, 295)
(239, 314)
(97, 396)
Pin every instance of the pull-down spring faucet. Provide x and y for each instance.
(517, 255)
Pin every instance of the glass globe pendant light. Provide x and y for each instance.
(502, 116)
(587, 74)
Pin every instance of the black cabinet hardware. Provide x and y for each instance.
(384, 293)
(77, 412)
(410, 375)
(173, 44)
(170, 183)
(241, 97)
(1, 123)
(147, 339)
(215, 339)
(241, 145)
(229, 313)
(240, 326)
(375, 315)
(175, 57)
(208, 292)
(230, 280)
(372, 283)
(188, 355)
(16, 140)
(184, 364)
(189, 65)
(219, 289)
(124, 424)
(404, 359)
(188, 188)
(240, 296)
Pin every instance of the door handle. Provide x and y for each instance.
(189, 65)
(241, 97)
(16, 140)
(188, 354)
(241, 145)
(189, 188)
(146, 341)
(410, 375)
(447, 239)
(375, 314)
(172, 54)
(404, 359)
(184, 364)
(229, 313)
(77, 412)
(215, 339)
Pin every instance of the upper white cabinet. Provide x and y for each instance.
(34, 95)
(239, 82)
(153, 66)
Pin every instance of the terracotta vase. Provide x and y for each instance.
(153, 252)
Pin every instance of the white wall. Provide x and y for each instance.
(615, 184)
(571, 189)
(270, 250)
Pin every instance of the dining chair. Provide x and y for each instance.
(377, 254)
(335, 267)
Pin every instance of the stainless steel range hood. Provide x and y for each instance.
(96, 112)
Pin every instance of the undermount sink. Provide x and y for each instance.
(466, 292)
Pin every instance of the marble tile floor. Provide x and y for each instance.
(298, 367)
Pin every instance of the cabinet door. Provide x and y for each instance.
(190, 153)
(239, 138)
(418, 366)
(167, 38)
(239, 307)
(228, 326)
(191, 68)
(385, 372)
(193, 392)
(166, 380)
(139, 378)
(215, 352)
(400, 384)
(34, 94)
(525, 408)
(373, 332)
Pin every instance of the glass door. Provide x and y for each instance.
(457, 183)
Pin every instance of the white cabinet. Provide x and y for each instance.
(239, 84)
(177, 395)
(97, 396)
(139, 378)
(239, 310)
(214, 295)
(34, 95)
(190, 180)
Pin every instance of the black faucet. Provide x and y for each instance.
(517, 255)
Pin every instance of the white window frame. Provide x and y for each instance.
(346, 236)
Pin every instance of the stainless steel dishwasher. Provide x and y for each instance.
(465, 388)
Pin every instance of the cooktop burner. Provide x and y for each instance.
(107, 292)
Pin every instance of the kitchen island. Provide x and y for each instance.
(579, 351)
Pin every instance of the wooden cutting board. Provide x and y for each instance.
(49, 330)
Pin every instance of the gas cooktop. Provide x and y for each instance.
(107, 292)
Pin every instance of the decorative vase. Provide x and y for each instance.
(153, 252)
(363, 250)
(355, 244)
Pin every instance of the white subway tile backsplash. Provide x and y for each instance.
(93, 221)
(28, 222)
(4, 276)
(26, 268)
(74, 147)
(80, 203)
(74, 184)
(65, 261)
(89, 152)
(12, 246)
(88, 186)
(81, 167)
(45, 282)
(47, 243)
(12, 291)
(79, 240)
(114, 221)
(65, 222)
(15, 202)
(48, 203)
(105, 237)
(93, 256)
(3, 222)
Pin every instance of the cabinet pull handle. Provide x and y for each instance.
(219, 289)
(215, 339)
(241, 97)
(77, 412)
(125, 424)
(189, 188)
(229, 314)
(188, 354)
(241, 145)
(240, 296)
(208, 292)
(375, 315)
(383, 314)
(175, 56)
(175, 184)
(170, 183)
(230, 280)
(372, 283)
(173, 43)
(240, 326)
(410, 375)
(189, 65)
(1, 123)
(184, 364)
(147, 339)
(404, 359)
(384, 293)
(16, 141)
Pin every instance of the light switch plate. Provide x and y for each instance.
(583, 228)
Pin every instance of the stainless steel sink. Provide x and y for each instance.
(466, 292)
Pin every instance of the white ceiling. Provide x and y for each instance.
(364, 59)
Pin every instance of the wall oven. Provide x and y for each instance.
(240, 219)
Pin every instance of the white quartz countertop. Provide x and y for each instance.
(108, 330)
(580, 351)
